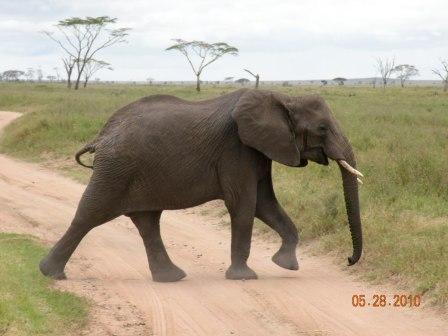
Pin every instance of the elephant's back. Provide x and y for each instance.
(165, 112)
(144, 109)
(158, 130)
(168, 117)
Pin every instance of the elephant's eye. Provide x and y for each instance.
(322, 128)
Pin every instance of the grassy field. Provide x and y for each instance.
(399, 136)
(28, 305)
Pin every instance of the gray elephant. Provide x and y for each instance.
(163, 153)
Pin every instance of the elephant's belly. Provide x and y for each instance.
(164, 193)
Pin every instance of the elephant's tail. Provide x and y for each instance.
(88, 148)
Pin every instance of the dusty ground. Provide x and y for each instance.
(110, 268)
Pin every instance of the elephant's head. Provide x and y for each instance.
(293, 130)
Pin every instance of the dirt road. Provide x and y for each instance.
(110, 267)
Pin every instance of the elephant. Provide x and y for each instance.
(165, 153)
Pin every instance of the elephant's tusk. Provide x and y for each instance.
(359, 180)
(350, 168)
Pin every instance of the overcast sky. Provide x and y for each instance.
(280, 39)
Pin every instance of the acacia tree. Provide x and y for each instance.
(385, 68)
(29, 74)
(242, 81)
(257, 78)
(339, 80)
(404, 72)
(39, 74)
(69, 65)
(443, 74)
(58, 76)
(92, 67)
(12, 75)
(205, 54)
(82, 38)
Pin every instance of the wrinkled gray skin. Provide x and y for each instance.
(162, 152)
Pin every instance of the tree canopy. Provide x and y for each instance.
(340, 80)
(82, 38)
(12, 75)
(92, 67)
(404, 72)
(385, 68)
(242, 81)
(442, 72)
(205, 53)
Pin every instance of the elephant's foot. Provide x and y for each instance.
(171, 274)
(286, 259)
(240, 272)
(52, 269)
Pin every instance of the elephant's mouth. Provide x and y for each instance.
(315, 154)
(324, 161)
(303, 163)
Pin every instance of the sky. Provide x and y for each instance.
(279, 39)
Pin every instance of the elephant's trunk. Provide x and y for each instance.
(350, 185)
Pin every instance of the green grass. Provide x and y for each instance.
(399, 137)
(28, 304)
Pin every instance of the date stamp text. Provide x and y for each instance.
(383, 300)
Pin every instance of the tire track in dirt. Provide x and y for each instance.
(110, 268)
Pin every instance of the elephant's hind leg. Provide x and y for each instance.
(54, 263)
(94, 209)
(160, 264)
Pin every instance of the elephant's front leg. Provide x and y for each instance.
(242, 211)
(270, 211)
(160, 264)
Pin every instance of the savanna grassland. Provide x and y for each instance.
(400, 137)
(28, 304)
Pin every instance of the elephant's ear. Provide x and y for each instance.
(264, 123)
